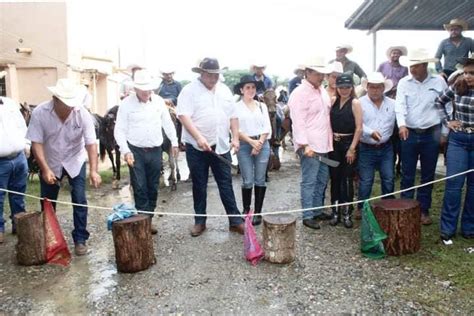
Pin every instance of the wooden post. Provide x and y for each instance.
(31, 246)
(279, 234)
(401, 220)
(133, 244)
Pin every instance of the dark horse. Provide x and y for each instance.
(107, 142)
(33, 167)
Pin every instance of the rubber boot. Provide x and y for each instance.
(246, 199)
(335, 216)
(259, 197)
(347, 217)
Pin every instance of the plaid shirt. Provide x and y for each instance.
(463, 107)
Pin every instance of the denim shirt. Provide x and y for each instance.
(169, 91)
(452, 53)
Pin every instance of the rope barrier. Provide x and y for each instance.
(235, 215)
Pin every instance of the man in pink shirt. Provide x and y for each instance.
(312, 136)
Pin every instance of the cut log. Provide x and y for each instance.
(31, 246)
(279, 234)
(133, 244)
(401, 220)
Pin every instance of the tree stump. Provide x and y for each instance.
(31, 246)
(133, 244)
(279, 234)
(401, 220)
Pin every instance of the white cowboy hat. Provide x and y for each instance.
(336, 67)
(318, 64)
(457, 22)
(68, 92)
(167, 70)
(144, 81)
(417, 56)
(346, 46)
(377, 78)
(134, 66)
(403, 49)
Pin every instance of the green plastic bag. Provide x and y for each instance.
(371, 235)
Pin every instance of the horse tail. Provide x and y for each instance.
(102, 150)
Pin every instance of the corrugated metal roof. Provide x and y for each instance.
(376, 15)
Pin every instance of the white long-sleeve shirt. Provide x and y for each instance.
(253, 123)
(140, 123)
(12, 128)
(377, 119)
(415, 101)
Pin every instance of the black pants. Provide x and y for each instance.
(342, 177)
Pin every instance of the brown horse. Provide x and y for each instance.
(174, 176)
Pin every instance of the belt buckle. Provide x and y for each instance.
(337, 137)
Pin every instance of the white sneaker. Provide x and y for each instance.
(446, 241)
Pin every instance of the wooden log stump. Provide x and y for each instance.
(31, 246)
(279, 234)
(401, 220)
(133, 244)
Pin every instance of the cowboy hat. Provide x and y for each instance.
(248, 79)
(417, 56)
(466, 60)
(336, 67)
(134, 66)
(318, 64)
(68, 92)
(144, 81)
(456, 22)
(209, 65)
(344, 46)
(403, 49)
(167, 70)
(377, 78)
(344, 80)
(258, 64)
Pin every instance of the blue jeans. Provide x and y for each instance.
(199, 163)
(13, 175)
(78, 195)
(314, 179)
(145, 176)
(253, 168)
(460, 157)
(375, 159)
(425, 147)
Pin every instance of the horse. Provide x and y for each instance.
(270, 99)
(33, 166)
(107, 143)
(167, 148)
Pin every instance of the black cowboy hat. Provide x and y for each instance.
(248, 79)
(209, 65)
(344, 80)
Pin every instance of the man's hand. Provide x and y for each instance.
(376, 136)
(308, 152)
(175, 151)
(235, 143)
(94, 179)
(454, 125)
(202, 143)
(48, 176)
(129, 159)
(403, 132)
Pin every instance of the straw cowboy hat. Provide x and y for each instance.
(258, 64)
(456, 22)
(209, 65)
(336, 67)
(318, 64)
(403, 49)
(377, 78)
(167, 70)
(69, 92)
(344, 46)
(417, 56)
(134, 66)
(248, 79)
(144, 81)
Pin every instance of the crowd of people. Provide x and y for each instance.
(402, 106)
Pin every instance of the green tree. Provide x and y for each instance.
(232, 77)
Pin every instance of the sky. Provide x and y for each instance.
(279, 33)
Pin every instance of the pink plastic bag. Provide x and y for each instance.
(252, 249)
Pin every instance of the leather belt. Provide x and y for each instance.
(423, 130)
(468, 130)
(375, 146)
(256, 137)
(10, 157)
(338, 136)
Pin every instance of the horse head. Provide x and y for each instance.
(270, 99)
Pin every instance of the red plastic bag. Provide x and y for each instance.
(57, 251)
(252, 249)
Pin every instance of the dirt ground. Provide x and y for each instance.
(208, 274)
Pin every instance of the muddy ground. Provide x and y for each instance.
(208, 274)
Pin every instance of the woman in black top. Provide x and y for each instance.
(346, 124)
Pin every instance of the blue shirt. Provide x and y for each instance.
(415, 101)
(267, 82)
(375, 119)
(296, 81)
(169, 91)
(451, 52)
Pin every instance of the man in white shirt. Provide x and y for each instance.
(419, 126)
(138, 132)
(13, 165)
(207, 111)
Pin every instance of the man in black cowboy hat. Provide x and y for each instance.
(207, 112)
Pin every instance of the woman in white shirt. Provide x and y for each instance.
(254, 152)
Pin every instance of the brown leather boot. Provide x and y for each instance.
(198, 229)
